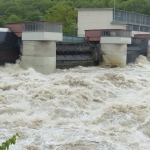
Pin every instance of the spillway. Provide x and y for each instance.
(86, 108)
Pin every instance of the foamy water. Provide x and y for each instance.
(77, 109)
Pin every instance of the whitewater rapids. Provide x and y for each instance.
(76, 109)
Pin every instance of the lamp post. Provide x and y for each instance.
(114, 9)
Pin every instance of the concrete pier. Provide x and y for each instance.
(40, 55)
(39, 46)
(114, 54)
(114, 47)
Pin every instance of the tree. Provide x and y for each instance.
(5, 145)
(2, 22)
(139, 6)
(13, 18)
(33, 16)
(62, 13)
(62, 10)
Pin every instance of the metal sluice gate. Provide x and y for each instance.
(138, 46)
(75, 54)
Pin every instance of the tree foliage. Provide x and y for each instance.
(13, 18)
(62, 13)
(5, 145)
(61, 10)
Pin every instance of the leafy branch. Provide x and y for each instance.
(5, 145)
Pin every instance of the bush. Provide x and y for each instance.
(5, 145)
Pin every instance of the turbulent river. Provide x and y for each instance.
(83, 108)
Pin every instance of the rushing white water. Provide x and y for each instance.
(76, 109)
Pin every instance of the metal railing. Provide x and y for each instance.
(72, 39)
(116, 33)
(42, 26)
(131, 18)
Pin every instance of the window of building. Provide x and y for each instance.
(137, 19)
(144, 29)
(129, 27)
(106, 33)
(131, 18)
(135, 28)
(148, 21)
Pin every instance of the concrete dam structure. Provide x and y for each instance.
(40, 45)
(114, 47)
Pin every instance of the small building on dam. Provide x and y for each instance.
(108, 36)
(108, 18)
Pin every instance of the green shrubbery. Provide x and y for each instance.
(5, 145)
(61, 10)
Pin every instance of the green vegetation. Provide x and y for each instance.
(5, 145)
(61, 10)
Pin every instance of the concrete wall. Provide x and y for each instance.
(114, 54)
(96, 19)
(40, 55)
(39, 48)
(42, 36)
(45, 65)
(116, 40)
(5, 30)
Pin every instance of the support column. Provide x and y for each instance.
(40, 55)
(114, 55)
(114, 47)
(39, 45)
